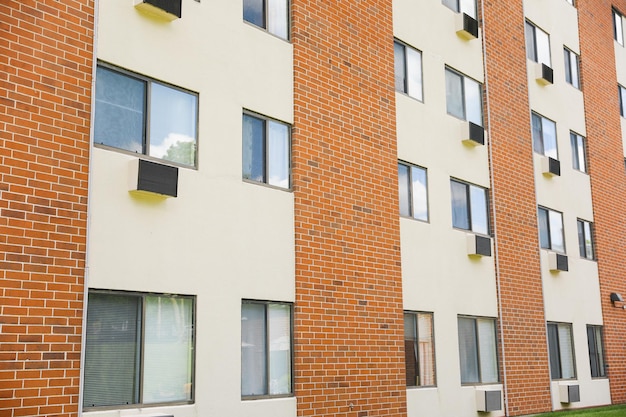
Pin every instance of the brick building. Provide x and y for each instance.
(322, 208)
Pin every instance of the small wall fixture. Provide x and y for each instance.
(617, 298)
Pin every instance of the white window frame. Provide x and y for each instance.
(586, 247)
(595, 343)
(476, 208)
(562, 356)
(618, 27)
(471, 99)
(414, 192)
(419, 342)
(572, 67)
(408, 70)
(462, 6)
(537, 44)
(275, 17)
(621, 91)
(541, 136)
(579, 152)
(483, 352)
(552, 235)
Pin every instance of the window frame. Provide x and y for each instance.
(465, 97)
(572, 67)
(148, 83)
(406, 90)
(410, 192)
(480, 369)
(550, 229)
(535, 53)
(586, 246)
(267, 121)
(539, 143)
(618, 27)
(595, 345)
(266, 19)
(468, 209)
(553, 351)
(579, 152)
(141, 347)
(418, 363)
(291, 392)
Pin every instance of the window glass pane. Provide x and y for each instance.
(278, 169)
(253, 12)
(575, 70)
(410, 350)
(553, 347)
(544, 229)
(599, 352)
(487, 350)
(581, 239)
(400, 67)
(426, 349)
(593, 351)
(253, 349)
(537, 132)
(549, 138)
(420, 199)
(173, 124)
(279, 337)
(414, 70)
(543, 47)
(568, 68)
(566, 351)
(454, 94)
(168, 349)
(452, 4)
(120, 110)
(531, 52)
(588, 240)
(253, 148)
(468, 7)
(468, 351)
(460, 212)
(618, 30)
(112, 350)
(403, 183)
(622, 100)
(478, 205)
(556, 231)
(278, 18)
(582, 163)
(474, 101)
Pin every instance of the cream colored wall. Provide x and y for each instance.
(438, 275)
(194, 243)
(572, 296)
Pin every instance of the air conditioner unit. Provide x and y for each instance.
(466, 26)
(488, 400)
(569, 393)
(557, 262)
(544, 74)
(472, 134)
(550, 167)
(164, 9)
(151, 177)
(478, 245)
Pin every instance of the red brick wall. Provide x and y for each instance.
(606, 170)
(348, 317)
(515, 208)
(45, 89)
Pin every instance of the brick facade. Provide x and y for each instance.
(45, 94)
(349, 358)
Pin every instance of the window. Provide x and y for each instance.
(469, 207)
(544, 136)
(408, 70)
(266, 151)
(622, 100)
(464, 97)
(266, 348)
(579, 159)
(146, 117)
(413, 191)
(618, 27)
(561, 349)
(571, 2)
(585, 239)
(572, 68)
(139, 349)
(551, 230)
(596, 351)
(462, 6)
(419, 349)
(477, 350)
(271, 15)
(537, 45)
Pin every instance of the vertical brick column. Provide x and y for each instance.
(45, 89)
(349, 358)
(608, 177)
(523, 332)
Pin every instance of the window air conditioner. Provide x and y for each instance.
(557, 262)
(488, 400)
(466, 26)
(544, 74)
(472, 134)
(151, 177)
(163, 9)
(569, 393)
(478, 245)
(550, 167)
